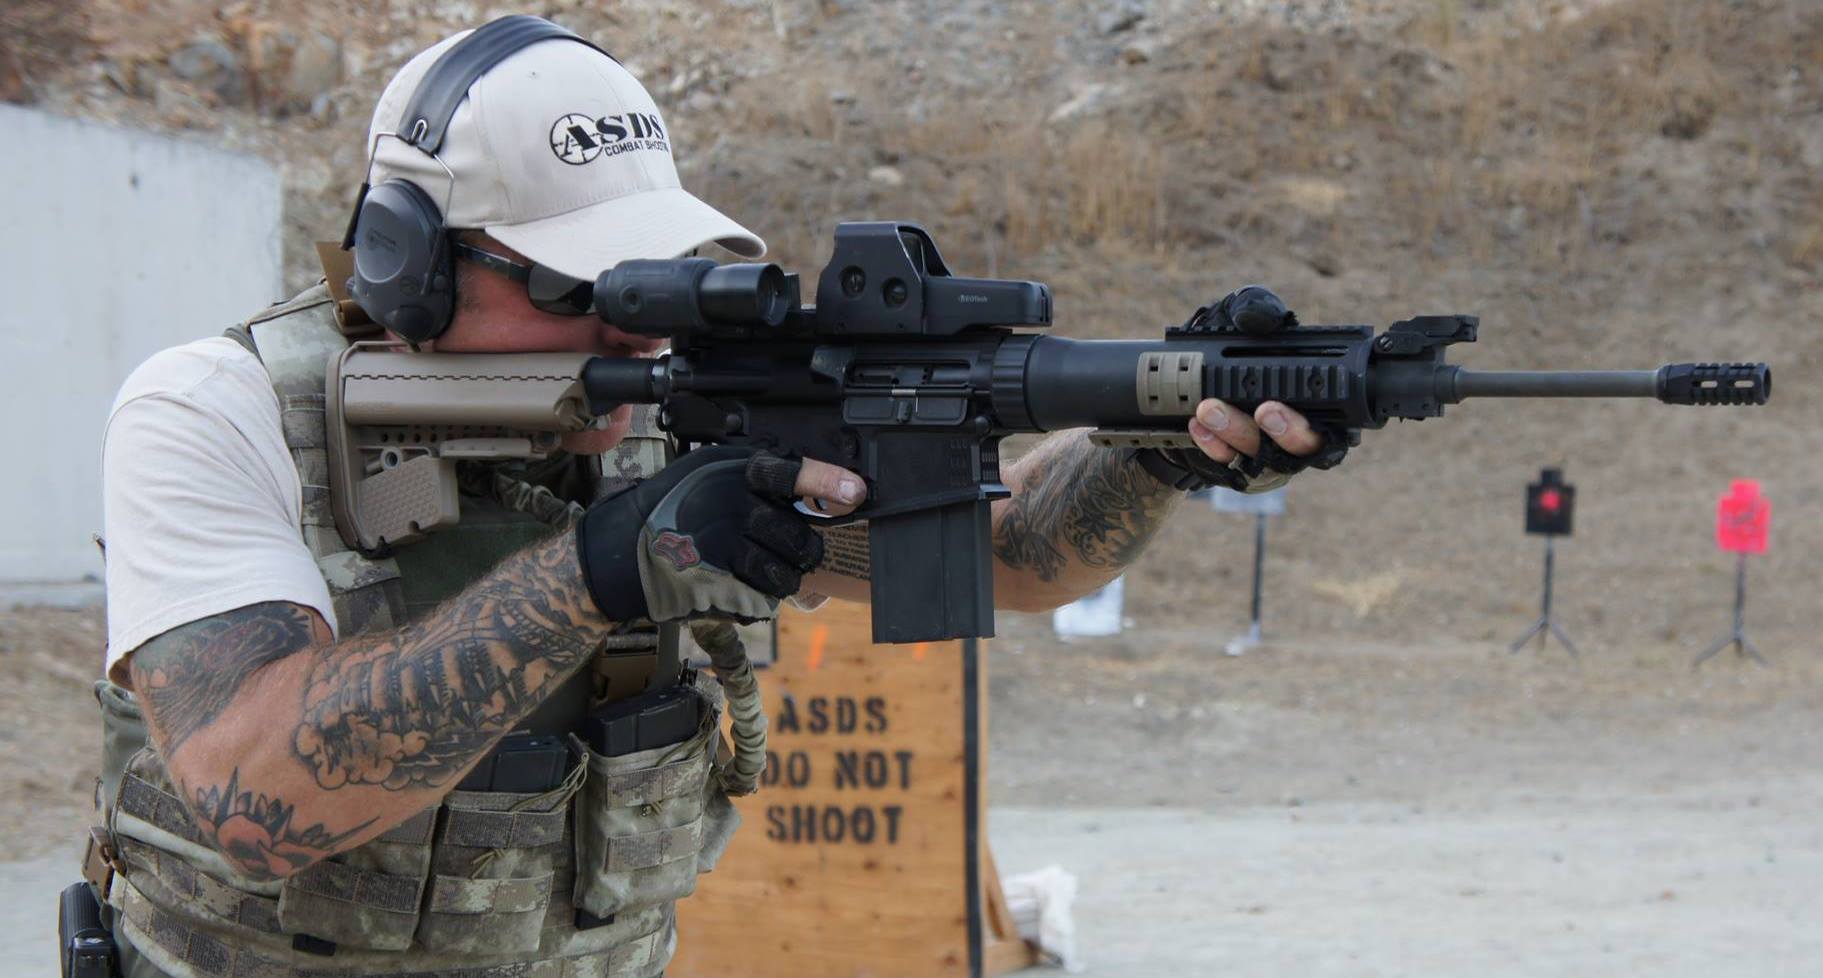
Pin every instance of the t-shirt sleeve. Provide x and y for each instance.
(200, 507)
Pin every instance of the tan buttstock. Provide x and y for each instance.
(350, 318)
(399, 421)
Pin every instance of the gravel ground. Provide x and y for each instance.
(1696, 882)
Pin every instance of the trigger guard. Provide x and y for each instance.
(822, 518)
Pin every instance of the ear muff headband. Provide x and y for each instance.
(404, 276)
(433, 104)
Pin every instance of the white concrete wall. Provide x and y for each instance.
(115, 244)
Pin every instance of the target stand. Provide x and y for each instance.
(1546, 625)
(1743, 519)
(1743, 646)
(1550, 503)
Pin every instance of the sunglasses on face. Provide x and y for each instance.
(549, 290)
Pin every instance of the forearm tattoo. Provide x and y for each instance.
(257, 834)
(404, 709)
(1079, 503)
(412, 708)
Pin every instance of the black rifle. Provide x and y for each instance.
(911, 376)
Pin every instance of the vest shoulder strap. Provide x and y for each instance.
(295, 340)
(240, 334)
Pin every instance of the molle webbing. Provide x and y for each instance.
(199, 926)
(192, 887)
(655, 848)
(157, 807)
(491, 830)
(295, 352)
(174, 944)
(655, 784)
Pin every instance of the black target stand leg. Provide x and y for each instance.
(1546, 626)
(1743, 646)
(1241, 643)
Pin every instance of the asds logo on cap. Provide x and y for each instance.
(577, 139)
(577, 213)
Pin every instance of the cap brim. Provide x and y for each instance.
(661, 223)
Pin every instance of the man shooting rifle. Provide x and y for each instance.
(474, 752)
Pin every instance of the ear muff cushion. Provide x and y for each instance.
(402, 274)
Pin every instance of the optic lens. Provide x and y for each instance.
(744, 294)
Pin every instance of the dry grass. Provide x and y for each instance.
(1542, 130)
(1550, 121)
(1363, 595)
(1809, 235)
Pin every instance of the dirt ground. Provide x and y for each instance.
(52, 725)
(1326, 806)
(1308, 721)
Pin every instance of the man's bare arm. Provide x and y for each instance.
(1078, 516)
(289, 748)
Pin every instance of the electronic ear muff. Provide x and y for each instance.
(404, 269)
(404, 274)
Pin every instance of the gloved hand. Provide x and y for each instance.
(1256, 453)
(1269, 468)
(713, 535)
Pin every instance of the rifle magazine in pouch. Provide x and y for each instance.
(643, 823)
(496, 860)
(367, 897)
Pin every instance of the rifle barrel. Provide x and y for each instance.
(1676, 383)
(1557, 383)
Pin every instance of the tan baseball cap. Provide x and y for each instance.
(559, 153)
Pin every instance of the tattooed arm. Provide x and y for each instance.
(289, 747)
(1078, 516)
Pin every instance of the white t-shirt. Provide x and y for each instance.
(201, 500)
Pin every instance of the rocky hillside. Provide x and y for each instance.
(1613, 183)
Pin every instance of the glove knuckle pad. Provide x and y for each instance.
(764, 572)
(786, 534)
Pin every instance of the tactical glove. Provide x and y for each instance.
(1255, 310)
(1190, 470)
(713, 535)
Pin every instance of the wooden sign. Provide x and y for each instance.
(865, 852)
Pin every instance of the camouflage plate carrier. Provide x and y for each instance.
(485, 884)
